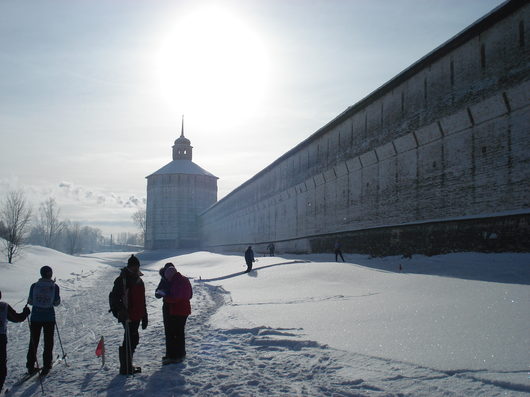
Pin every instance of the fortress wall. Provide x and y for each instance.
(446, 139)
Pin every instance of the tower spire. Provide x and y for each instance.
(182, 149)
(182, 128)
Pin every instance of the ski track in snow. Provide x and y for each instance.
(259, 361)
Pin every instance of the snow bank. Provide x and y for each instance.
(297, 325)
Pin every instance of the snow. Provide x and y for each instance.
(297, 325)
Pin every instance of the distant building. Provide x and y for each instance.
(176, 194)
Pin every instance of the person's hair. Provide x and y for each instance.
(46, 272)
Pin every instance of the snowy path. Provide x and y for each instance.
(259, 361)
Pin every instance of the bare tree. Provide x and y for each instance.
(49, 223)
(73, 236)
(15, 214)
(3, 230)
(139, 220)
(91, 239)
(121, 238)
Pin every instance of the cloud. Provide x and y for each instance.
(99, 196)
(109, 210)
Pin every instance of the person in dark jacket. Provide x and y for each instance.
(177, 292)
(43, 296)
(271, 248)
(161, 291)
(338, 251)
(249, 258)
(127, 302)
(7, 314)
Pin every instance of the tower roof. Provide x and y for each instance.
(186, 167)
(182, 140)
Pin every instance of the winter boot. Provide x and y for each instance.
(126, 367)
(45, 371)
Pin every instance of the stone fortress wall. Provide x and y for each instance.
(435, 160)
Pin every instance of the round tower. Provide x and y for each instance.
(176, 194)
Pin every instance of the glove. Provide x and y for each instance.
(26, 311)
(144, 322)
(123, 316)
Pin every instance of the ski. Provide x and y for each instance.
(23, 379)
(58, 360)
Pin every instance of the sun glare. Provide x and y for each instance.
(213, 66)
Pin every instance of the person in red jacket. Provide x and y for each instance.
(127, 303)
(177, 292)
(7, 314)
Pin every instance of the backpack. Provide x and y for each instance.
(116, 298)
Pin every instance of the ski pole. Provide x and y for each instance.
(61, 343)
(128, 349)
(34, 349)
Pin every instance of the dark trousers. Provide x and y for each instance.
(249, 266)
(3, 360)
(133, 334)
(131, 338)
(337, 253)
(165, 317)
(47, 355)
(175, 337)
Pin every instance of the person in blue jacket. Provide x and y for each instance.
(43, 296)
(7, 313)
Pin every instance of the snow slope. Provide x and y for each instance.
(450, 325)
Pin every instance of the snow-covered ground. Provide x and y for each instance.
(451, 325)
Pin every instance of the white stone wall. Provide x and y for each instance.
(448, 138)
(173, 206)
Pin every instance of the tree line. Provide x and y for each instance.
(19, 225)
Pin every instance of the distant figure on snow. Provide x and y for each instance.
(43, 296)
(249, 258)
(177, 292)
(7, 314)
(127, 303)
(338, 251)
(270, 247)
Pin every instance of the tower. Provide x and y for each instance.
(176, 194)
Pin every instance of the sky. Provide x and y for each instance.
(92, 92)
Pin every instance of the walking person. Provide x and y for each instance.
(271, 248)
(177, 292)
(249, 258)
(43, 296)
(338, 251)
(127, 303)
(7, 314)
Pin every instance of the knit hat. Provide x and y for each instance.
(133, 261)
(46, 272)
(163, 269)
(170, 273)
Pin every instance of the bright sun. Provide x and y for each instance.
(213, 66)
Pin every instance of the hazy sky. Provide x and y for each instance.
(92, 92)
